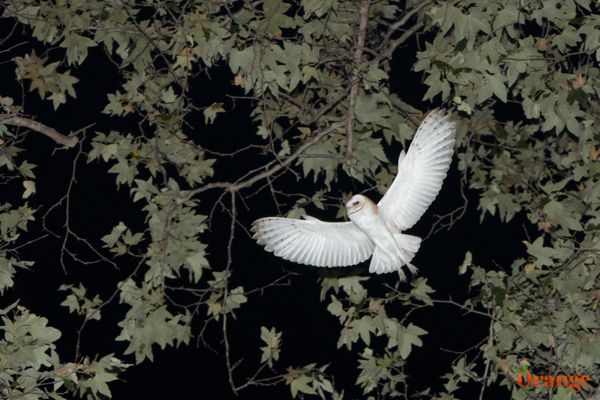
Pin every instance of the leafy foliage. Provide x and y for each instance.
(31, 368)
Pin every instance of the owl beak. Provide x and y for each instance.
(352, 208)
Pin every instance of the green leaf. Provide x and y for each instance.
(168, 95)
(77, 47)
(29, 187)
(301, 384)
(367, 109)
(197, 262)
(275, 17)
(210, 112)
(364, 326)
(318, 7)
(467, 262)
(272, 339)
(421, 290)
(235, 299)
(336, 308)
(409, 337)
(498, 86)
(542, 254)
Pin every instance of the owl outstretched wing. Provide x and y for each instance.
(313, 242)
(421, 172)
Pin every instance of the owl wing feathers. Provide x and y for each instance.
(421, 172)
(313, 242)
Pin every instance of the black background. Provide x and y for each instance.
(310, 333)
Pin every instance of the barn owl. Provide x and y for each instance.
(374, 229)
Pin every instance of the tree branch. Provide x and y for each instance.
(405, 18)
(219, 2)
(67, 141)
(236, 186)
(486, 372)
(226, 294)
(363, 13)
(401, 40)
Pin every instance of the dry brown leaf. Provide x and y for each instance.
(238, 80)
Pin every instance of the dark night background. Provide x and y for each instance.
(310, 333)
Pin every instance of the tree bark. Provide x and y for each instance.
(67, 141)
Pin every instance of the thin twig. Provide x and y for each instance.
(101, 306)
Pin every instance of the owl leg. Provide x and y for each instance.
(401, 275)
(413, 270)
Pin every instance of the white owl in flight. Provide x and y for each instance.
(374, 229)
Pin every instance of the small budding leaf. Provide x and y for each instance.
(29, 189)
(210, 112)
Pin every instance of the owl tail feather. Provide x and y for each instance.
(406, 247)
